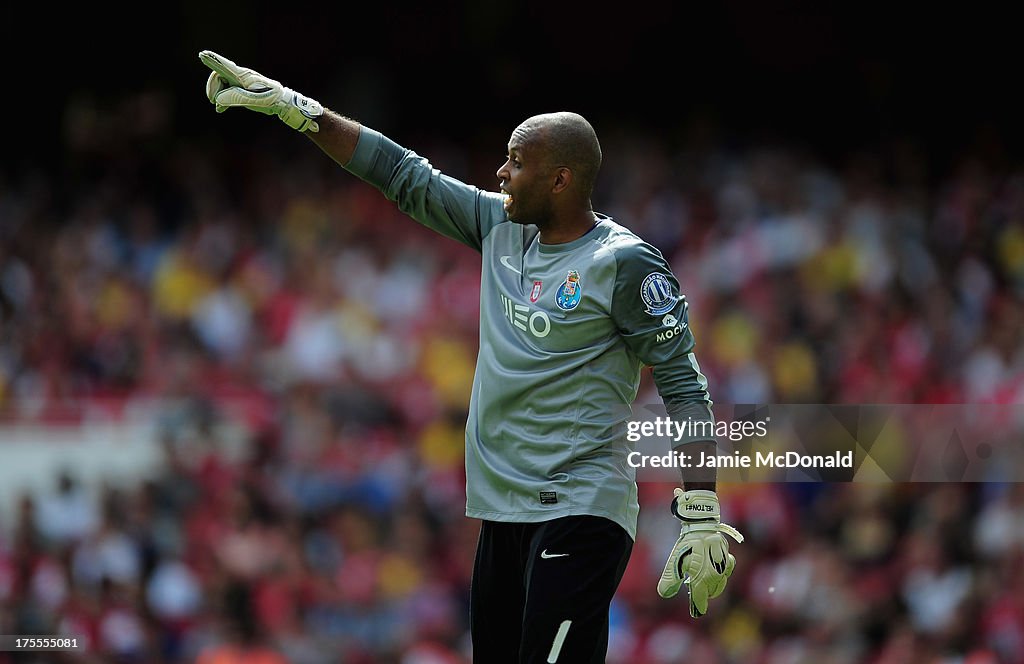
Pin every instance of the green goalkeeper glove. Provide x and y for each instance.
(701, 557)
(230, 85)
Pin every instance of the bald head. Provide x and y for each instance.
(566, 139)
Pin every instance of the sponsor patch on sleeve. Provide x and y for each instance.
(656, 292)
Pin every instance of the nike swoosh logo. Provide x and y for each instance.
(504, 261)
(545, 555)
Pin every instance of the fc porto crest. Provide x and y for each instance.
(568, 295)
(656, 292)
(535, 293)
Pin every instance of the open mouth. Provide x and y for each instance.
(508, 199)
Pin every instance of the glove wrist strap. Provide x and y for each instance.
(300, 112)
(711, 527)
(696, 506)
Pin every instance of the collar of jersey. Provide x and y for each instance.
(578, 242)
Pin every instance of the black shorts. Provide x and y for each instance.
(541, 591)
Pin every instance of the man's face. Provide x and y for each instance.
(526, 179)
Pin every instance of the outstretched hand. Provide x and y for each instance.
(230, 85)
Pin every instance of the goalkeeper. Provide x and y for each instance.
(572, 305)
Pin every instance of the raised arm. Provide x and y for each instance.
(442, 203)
(338, 136)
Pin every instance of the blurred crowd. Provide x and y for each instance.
(307, 353)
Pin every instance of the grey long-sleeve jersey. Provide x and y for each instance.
(564, 332)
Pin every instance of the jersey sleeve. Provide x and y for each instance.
(652, 317)
(452, 208)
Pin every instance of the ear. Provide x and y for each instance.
(563, 178)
